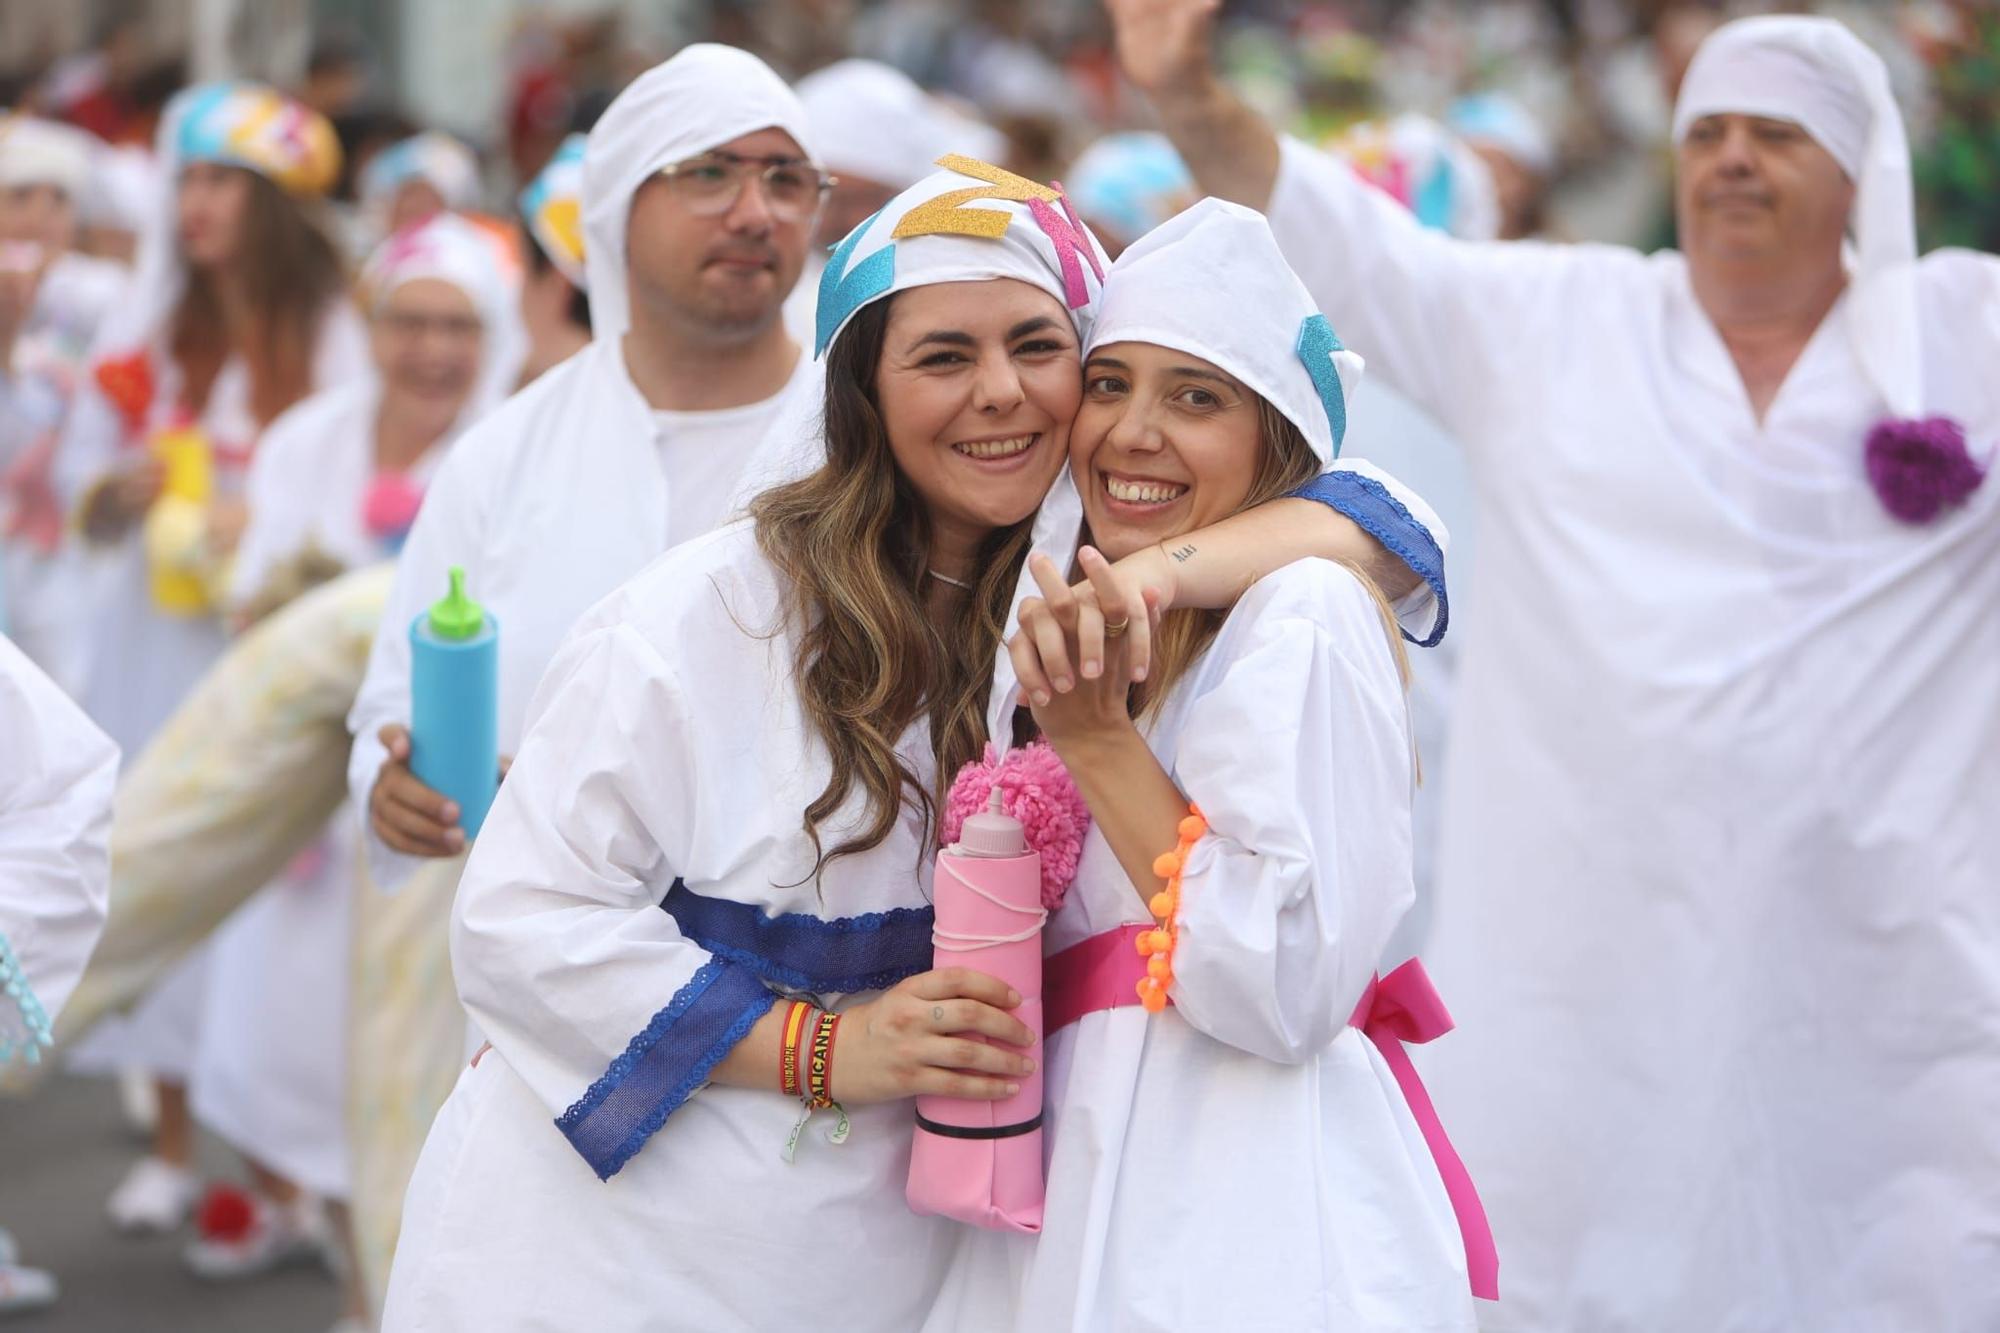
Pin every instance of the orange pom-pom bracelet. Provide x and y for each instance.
(1157, 945)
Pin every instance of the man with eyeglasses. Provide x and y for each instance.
(700, 192)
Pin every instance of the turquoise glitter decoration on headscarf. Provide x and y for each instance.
(1316, 346)
(841, 293)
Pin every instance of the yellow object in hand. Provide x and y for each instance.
(176, 530)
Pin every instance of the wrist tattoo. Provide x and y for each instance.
(1183, 553)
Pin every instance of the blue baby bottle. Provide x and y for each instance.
(455, 702)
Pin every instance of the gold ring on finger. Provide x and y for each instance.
(1113, 631)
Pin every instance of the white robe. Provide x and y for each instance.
(55, 829)
(667, 743)
(142, 661)
(549, 502)
(270, 1077)
(1718, 915)
(44, 595)
(1243, 1160)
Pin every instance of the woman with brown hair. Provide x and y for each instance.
(695, 926)
(239, 310)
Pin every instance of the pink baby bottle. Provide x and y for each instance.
(978, 1161)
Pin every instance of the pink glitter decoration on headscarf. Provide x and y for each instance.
(1036, 789)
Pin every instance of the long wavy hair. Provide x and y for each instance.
(291, 274)
(851, 540)
(1285, 462)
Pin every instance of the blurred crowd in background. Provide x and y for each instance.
(1576, 144)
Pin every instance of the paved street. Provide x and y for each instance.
(61, 1152)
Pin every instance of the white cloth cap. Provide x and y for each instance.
(473, 259)
(1037, 239)
(1818, 75)
(1500, 119)
(872, 121)
(1212, 283)
(41, 152)
(447, 165)
(701, 99)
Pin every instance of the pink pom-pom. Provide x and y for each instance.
(1919, 468)
(1036, 789)
(390, 506)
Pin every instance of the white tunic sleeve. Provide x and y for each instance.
(55, 826)
(450, 530)
(1299, 756)
(561, 950)
(280, 506)
(1443, 321)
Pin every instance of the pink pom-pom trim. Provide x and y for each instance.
(390, 506)
(1036, 789)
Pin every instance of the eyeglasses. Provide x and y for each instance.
(710, 185)
(408, 324)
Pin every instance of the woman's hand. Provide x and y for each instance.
(1071, 631)
(123, 498)
(911, 1041)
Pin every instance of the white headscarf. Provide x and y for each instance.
(1818, 75)
(970, 222)
(474, 260)
(441, 161)
(1213, 283)
(872, 120)
(41, 152)
(700, 99)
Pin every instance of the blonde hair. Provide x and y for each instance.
(851, 540)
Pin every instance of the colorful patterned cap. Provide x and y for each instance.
(970, 222)
(552, 207)
(439, 160)
(249, 125)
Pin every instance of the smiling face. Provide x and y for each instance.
(977, 386)
(1759, 191)
(1164, 443)
(427, 337)
(723, 276)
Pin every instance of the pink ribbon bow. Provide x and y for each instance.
(1401, 1008)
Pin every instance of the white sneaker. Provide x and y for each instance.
(244, 1234)
(154, 1196)
(25, 1289)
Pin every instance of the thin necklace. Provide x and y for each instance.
(946, 578)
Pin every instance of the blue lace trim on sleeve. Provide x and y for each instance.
(1382, 516)
(664, 1065)
(799, 952)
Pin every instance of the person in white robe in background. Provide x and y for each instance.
(1717, 914)
(55, 824)
(647, 880)
(337, 480)
(1250, 1107)
(52, 301)
(633, 445)
(242, 168)
(879, 133)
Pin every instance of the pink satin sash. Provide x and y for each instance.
(1396, 1011)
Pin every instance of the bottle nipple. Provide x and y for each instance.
(992, 832)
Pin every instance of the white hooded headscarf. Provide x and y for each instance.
(1817, 74)
(873, 121)
(1212, 283)
(701, 99)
